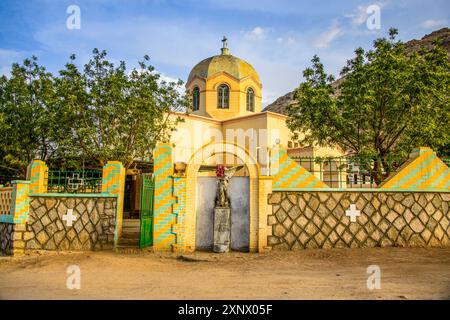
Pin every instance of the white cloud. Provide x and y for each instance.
(325, 38)
(359, 16)
(257, 33)
(432, 23)
(168, 79)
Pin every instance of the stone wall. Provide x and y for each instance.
(46, 229)
(318, 219)
(6, 238)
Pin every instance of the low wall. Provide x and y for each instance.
(317, 219)
(46, 229)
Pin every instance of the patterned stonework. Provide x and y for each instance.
(318, 219)
(6, 238)
(287, 173)
(93, 229)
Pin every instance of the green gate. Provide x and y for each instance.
(146, 211)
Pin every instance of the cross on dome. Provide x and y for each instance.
(225, 46)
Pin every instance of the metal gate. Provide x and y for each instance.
(146, 210)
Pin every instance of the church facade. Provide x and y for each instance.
(226, 96)
(225, 126)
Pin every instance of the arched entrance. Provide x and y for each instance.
(244, 217)
(239, 194)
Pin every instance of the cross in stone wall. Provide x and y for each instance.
(69, 217)
(352, 213)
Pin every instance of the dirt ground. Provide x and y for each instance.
(406, 273)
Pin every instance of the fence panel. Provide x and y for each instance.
(5, 200)
(74, 181)
(349, 172)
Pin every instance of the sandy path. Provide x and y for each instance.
(406, 273)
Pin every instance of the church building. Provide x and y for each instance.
(225, 126)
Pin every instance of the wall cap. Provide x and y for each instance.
(6, 218)
(75, 195)
(358, 190)
(20, 181)
(114, 162)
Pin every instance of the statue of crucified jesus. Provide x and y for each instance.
(224, 175)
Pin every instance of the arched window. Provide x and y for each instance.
(223, 97)
(196, 99)
(250, 100)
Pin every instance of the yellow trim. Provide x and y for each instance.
(224, 142)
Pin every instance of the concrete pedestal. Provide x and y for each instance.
(222, 229)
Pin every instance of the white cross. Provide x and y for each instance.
(77, 184)
(352, 213)
(69, 217)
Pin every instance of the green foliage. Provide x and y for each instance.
(388, 102)
(117, 115)
(27, 115)
(102, 112)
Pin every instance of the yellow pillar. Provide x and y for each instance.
(20, 201)
(37, 172)
(113, 182)
(19, 211)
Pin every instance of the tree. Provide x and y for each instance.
(28, 116)
(116, 115)
(388, 102)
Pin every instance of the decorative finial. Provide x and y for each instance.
(225, 46)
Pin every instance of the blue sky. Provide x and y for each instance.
(277, 37)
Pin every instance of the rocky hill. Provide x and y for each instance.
(280, 104)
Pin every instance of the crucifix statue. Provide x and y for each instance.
(222, 209)
(224, 174)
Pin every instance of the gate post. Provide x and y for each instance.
(36, 174)
(113, 182)
(163, 237)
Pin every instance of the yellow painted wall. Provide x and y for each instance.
(258, 133)
(238, 96)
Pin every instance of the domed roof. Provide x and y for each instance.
(224, 62)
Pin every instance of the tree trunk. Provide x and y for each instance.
(377, 171)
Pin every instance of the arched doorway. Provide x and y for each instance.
(239, 194)
(243, 195)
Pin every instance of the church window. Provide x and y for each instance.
(250, 100)
(223, 97)
(196, 99)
